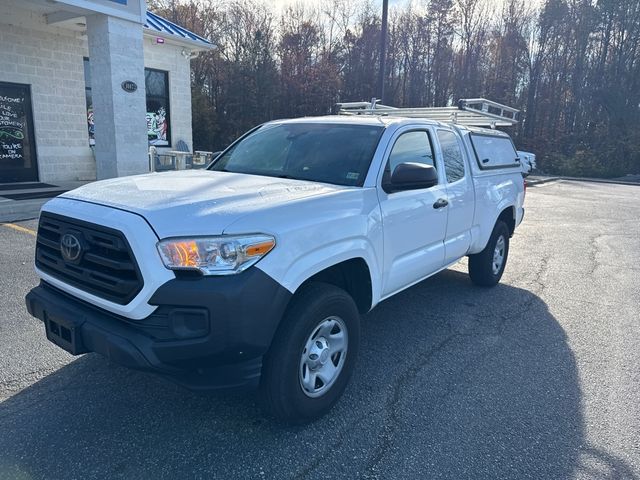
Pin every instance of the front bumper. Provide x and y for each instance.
(206, 332)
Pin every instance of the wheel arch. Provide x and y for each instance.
(481, 236)
(353, 276)
(508, 216)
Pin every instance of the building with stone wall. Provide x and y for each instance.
(86, 86)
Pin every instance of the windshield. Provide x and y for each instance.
(320, 152)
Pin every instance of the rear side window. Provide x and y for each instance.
(452, 155)
(494, 152)
(414, 147)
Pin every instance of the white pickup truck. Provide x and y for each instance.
(254, 272)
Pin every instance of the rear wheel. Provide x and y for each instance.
(486, 268)
(313, 354)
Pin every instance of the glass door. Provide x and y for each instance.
(17, 143)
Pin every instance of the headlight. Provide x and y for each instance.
(223, 255)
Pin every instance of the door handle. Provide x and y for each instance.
(440, 203)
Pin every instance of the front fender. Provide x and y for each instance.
(317, 233)
(305, 266)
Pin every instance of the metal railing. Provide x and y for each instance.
(162, 161)
(476, 112)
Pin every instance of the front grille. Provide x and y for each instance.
(105, 266)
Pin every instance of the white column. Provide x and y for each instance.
(115, 56)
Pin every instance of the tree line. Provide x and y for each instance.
(571, 66)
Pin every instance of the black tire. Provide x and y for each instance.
(281, 385)
(481, 266)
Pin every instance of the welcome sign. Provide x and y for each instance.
(11, 127)
(17, 158)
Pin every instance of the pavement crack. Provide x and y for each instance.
(391, 422)
(593, 253)
(342, 435)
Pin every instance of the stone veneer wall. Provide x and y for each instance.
(50, 59)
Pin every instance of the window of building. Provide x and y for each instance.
(89, 100)
(452, 155)
(158, 112)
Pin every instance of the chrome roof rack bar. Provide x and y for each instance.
(476, 112)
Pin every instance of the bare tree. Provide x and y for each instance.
(572, 66)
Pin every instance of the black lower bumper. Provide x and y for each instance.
(207, 332)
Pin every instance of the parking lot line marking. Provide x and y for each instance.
(19, 228)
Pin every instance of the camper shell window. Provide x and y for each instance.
(494, 151)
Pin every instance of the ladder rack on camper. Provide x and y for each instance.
(472, 112)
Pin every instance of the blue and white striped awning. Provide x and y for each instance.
(161, 27)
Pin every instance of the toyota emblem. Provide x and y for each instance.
(70, 247)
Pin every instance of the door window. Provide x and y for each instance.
(452, 155)
(412, 147)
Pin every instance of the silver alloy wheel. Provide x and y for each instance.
(323, 356)
(498, 255)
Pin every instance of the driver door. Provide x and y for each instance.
(414, 221)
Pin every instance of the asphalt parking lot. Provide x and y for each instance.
(537, 378)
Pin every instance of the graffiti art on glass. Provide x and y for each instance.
(157, 127)
(91, 126)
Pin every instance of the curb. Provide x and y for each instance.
(15, 211)
(18, 210)
(600, 180)
(540, 181)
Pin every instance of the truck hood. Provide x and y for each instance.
(196, 202)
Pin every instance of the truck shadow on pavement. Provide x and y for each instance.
(453, 381)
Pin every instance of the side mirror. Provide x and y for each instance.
(411, 176)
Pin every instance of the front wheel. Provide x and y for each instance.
(313, 354)
(486, 268)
